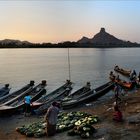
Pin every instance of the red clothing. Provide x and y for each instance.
(117, 116)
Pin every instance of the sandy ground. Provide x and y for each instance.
(106, 128)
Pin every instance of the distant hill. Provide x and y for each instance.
(104, 39)
(11, 42)
(100, 40)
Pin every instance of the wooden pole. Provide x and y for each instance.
(69, 65)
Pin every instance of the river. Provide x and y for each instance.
(19, 66)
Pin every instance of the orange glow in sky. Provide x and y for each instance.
(57, 21)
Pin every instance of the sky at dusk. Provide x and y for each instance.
(68, 20)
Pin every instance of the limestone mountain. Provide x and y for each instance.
(101, 38)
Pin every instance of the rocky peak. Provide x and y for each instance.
(101, 38)
(102, 30)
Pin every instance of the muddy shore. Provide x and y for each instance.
(106, 128)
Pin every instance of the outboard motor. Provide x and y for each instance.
(32, 83)
(44, 82)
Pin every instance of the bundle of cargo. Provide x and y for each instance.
(66, 121)
(84, 130)
(36, 129)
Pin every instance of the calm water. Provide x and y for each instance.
(19, 66)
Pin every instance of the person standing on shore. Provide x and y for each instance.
(117, 90)
(117, 115)
(27, 101)
(51, 119)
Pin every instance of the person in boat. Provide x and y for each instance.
(116, 67)
(87, 86)
(111, 73)
(117, 115)
(68, 82)
(5, 88)
(118, 78)
(112, 76)
(51, 118)
(133, 75)
(28, 103)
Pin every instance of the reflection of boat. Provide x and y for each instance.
(122, 71)
(4, 90)
(122, 83)
(17, 93)
(16, 104)
(88, 96)
(55, 95)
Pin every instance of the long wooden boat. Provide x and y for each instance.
(90, 96)
(16, 94)
(18, 104)
(124, 84)
(76, 94)
(122, 71)
(55, 95)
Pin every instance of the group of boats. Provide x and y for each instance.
(130, 84)
(13, 102)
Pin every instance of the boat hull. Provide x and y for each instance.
(56, 95)
(89, 96)
(18, 105)
(123, 71)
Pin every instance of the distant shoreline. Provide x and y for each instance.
(70, 45)
(102, 47)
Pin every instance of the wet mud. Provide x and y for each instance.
(107, 129)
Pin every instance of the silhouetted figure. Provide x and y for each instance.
(118, 78)
(87, 86)
(27, 101)
(117, 90)
(116, 67)
(112, 76)
(133, 75)
(51, 119)
(5, 90)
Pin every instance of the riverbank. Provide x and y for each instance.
(106, 128)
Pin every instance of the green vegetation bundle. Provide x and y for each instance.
(79, 122)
